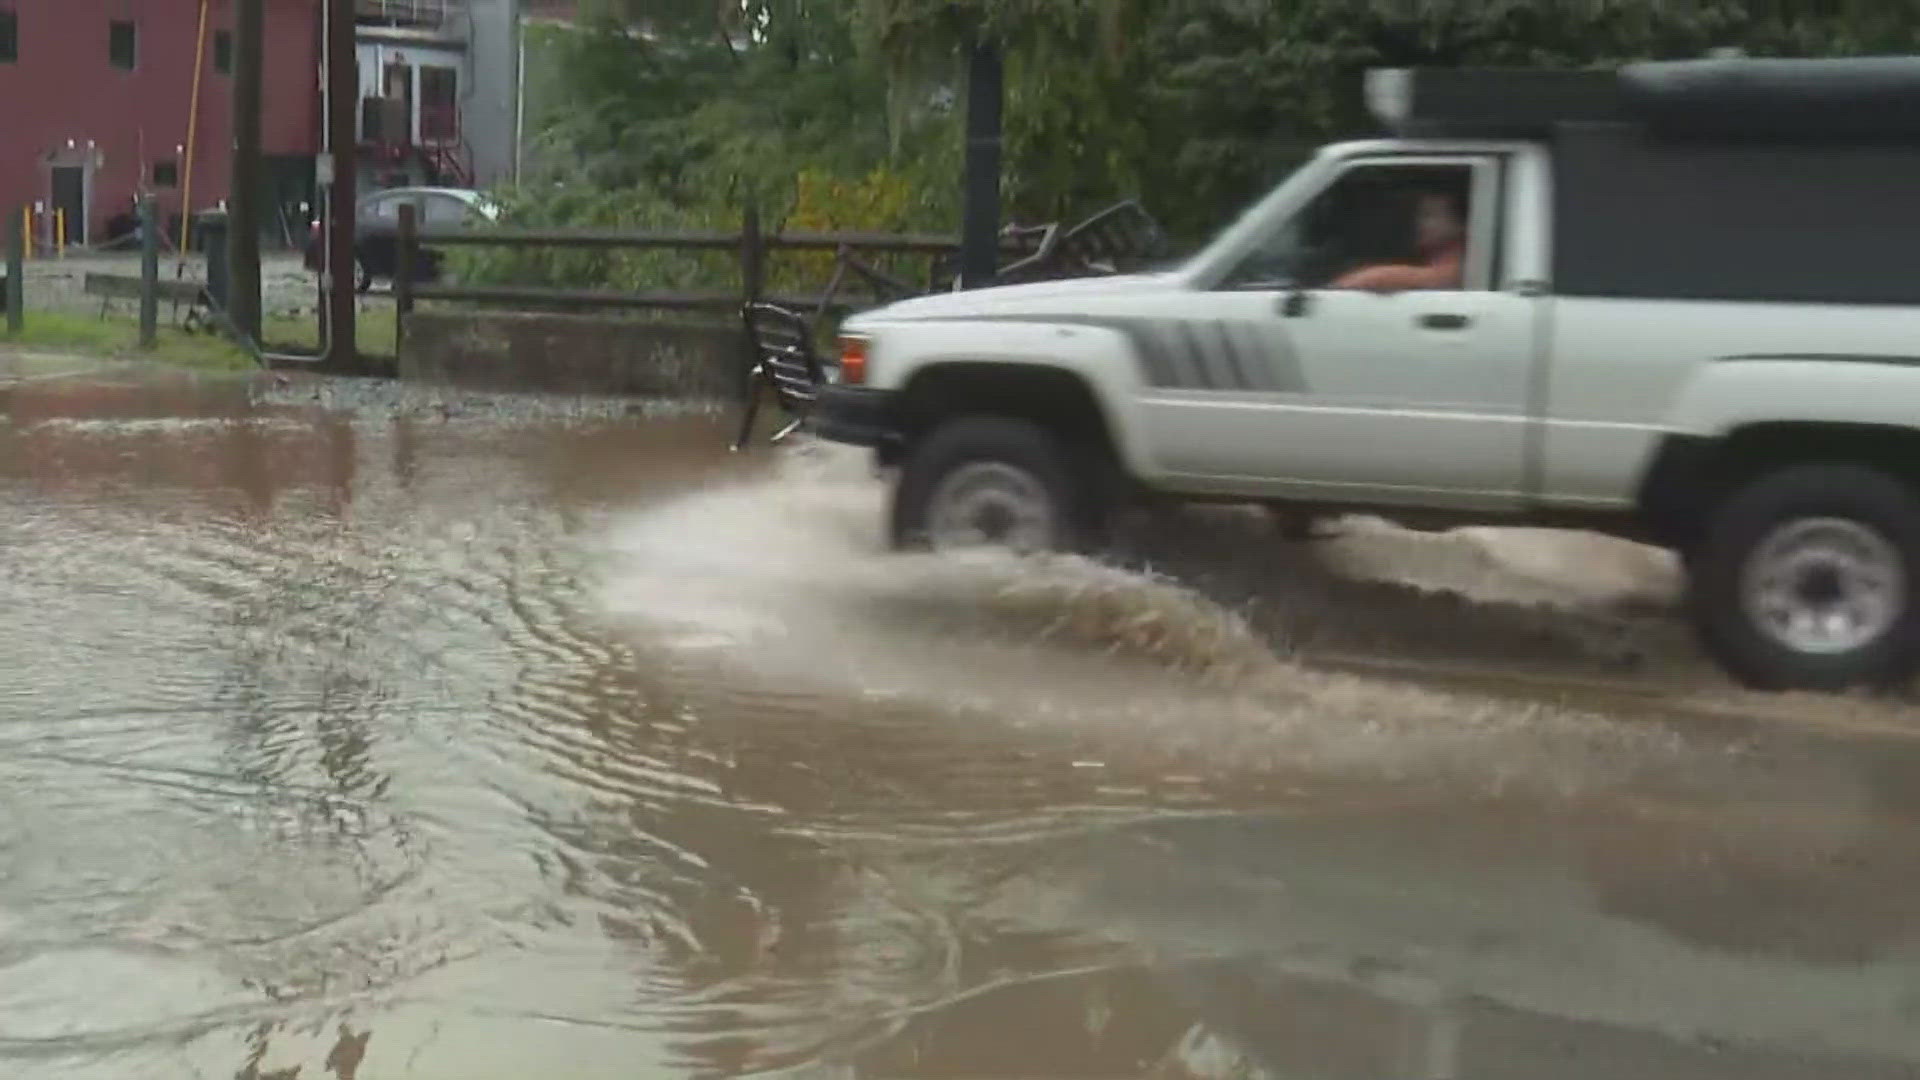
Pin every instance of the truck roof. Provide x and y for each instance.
(1825, 100)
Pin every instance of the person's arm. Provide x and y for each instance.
(1442, 273)
(1387, 279)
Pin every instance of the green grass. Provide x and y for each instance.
(373, 335)
(117, 337)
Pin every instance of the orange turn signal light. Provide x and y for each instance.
(853, 360)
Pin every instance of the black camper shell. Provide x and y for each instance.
(1736, 180)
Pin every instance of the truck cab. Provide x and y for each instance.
(1610, 301)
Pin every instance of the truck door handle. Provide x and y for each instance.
(1295, 304)
(1445, 322)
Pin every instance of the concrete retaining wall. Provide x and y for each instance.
(574, 354)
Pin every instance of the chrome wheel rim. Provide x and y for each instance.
(991, 504)
(1825, 586)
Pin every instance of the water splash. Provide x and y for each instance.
(794, 563)
(785, 579)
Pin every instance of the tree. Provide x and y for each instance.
(1195, 106)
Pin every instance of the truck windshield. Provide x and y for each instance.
(1256, 225)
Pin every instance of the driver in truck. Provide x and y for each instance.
(1440, 236)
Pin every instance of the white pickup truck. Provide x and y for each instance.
(1679, 302)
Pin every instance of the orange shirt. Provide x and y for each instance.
(1441, 272)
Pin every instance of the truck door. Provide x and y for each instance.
(1417, 395)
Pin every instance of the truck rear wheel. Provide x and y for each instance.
(990, 482)
(1809, 579)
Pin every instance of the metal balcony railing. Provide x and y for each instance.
(409, 12)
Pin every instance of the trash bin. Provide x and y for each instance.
(210, 235)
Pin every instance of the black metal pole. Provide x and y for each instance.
(980, 202)
(149, 271)
(243, 198)
(15, 229)
(342, 131)
(405, 258)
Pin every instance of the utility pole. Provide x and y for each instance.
(343, 92)
(980, 202)
(243, 198)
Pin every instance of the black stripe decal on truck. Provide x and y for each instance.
(1187, 354)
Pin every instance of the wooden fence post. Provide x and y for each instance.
(753, 256)
(16, 272)
(407, 247)
(753, 285)
(149, 272)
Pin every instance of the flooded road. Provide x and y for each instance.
(357, 732)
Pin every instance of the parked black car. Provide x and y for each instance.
(378, 224)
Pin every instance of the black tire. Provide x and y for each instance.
(1735, 535)
(362, 277)
(1077, 501)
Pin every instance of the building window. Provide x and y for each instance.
(223, 52)
(166, 173)
(9, 37)
(123, 45)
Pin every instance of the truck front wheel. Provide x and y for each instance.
(1809, 579)
(991, 482)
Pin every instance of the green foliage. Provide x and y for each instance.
(588, 205)
(677, 114)
(881, 201)
(697, 101)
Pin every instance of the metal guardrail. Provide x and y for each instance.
(133, 287)
(750, 244)
(1096, 245)
(882, 243)
(599, 298)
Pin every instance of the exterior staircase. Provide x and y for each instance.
(449, 164)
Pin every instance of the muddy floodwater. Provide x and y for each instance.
(355, 732)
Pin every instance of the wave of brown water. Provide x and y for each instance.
(782, 581)
(490, 739)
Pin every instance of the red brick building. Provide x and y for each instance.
(95, 98)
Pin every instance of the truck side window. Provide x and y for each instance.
(1378, 222)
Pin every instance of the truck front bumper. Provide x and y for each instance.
(858, 416)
